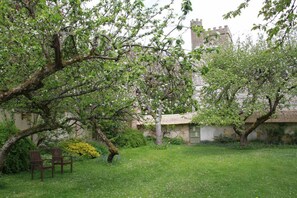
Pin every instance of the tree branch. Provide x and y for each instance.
(266, 116)
(34, 82)
(58, 55)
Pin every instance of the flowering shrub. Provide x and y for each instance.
(82, 149)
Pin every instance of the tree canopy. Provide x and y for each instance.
(247, 80)
(62, 56)
(165, 83)
(280, 17)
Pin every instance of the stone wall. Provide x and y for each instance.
(170, 131)
(22, 120)
(217, 35)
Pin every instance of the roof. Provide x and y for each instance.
(280, 117)
(168, 119)
(176, 119)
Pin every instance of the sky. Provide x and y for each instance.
(211, 12)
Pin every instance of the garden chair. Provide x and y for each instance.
(37, 163)
(59, 159)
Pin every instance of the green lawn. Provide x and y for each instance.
(179, 171)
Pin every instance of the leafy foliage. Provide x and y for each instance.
(130, 138)
(223, 139)
(247, 80)
(18, 157)
(186, 6)
(175, 141)
(79, 57)
(280, 17)
(276, 134)
(164, 85)
(165, 80)
(7, 128)
(99, 147)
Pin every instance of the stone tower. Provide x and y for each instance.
(216, 37)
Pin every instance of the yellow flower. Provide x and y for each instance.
(83, 149)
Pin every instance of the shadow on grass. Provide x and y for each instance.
(2, 185)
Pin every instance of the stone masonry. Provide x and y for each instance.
(216, 37)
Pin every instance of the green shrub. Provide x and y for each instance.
(130, 138)
(79, 148)
(274, 134)
(150, 139)
(101, 148)
(7, 128)
(64, 143)
(295, 136)
(174, 141)
(223, 139)
(112, 128)
(17, 159)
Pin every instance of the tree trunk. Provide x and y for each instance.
(5, 150)
(242, 133)
(111, 155)
(243, 139)
(159, 134)
(113, 151)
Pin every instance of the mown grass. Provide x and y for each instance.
(178, 171)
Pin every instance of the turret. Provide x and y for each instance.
(196, 41)
(217, 36)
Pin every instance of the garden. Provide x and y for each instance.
(80, 75)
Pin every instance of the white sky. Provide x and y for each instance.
(211, 12)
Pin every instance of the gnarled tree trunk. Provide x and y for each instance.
(113, 150)
(240, 131)
(5, 150)
(244, 132)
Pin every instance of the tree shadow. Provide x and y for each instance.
(2, 185)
